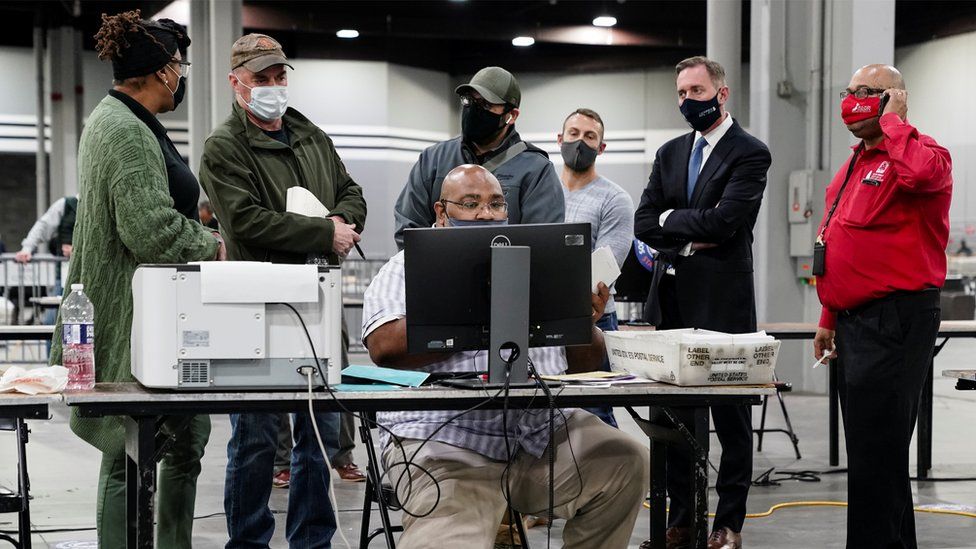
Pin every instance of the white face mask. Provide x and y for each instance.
(267, 102)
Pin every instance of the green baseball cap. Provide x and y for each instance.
(257, 52)
(495, 84)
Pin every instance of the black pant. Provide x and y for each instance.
(884, 353)
(733, 425)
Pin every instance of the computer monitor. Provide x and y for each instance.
(538, 276)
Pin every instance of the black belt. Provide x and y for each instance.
(893, 296)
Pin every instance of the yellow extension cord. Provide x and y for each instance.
(788, 504)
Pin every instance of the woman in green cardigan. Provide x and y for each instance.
(138, 204)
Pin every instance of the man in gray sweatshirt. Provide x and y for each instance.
(594, 199)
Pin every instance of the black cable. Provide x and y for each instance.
(771, 477)
(767, 477)
(394, 439)
(509, 458)
(552, 453)
(408, 462)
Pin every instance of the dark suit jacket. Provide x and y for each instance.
(714, 287)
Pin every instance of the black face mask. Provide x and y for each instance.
(479, 125)
(701, 114)
(180, 93)
(577, 155)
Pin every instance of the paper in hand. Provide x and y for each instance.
(300, 200)
(603, 267)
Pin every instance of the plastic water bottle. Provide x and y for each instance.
(78, 339)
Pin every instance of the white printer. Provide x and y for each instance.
(225, 325)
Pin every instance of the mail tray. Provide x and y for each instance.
(694, 357)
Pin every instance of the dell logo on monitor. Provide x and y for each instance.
(500, 240)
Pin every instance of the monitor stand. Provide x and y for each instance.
(508, 339)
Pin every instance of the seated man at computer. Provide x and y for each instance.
(455, 482)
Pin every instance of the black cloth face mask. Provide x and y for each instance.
(180, 93)
(577, 155)
(478, 125)
(700, 115)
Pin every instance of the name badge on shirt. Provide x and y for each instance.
(876, 176)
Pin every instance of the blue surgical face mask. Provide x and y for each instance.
(451, 222)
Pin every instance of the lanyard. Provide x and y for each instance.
(847, 178)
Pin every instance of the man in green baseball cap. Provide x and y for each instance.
(495, 84)
(490, 104)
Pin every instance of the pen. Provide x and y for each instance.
(820, 362)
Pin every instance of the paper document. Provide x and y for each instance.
(592, 378)
(300, 200)
(257, 282)
(604, 267)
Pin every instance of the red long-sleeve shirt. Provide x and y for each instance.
(891, 227)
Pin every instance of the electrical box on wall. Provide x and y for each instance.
(805, 209)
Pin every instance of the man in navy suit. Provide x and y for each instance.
(698, 210)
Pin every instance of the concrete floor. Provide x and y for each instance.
(64, 475)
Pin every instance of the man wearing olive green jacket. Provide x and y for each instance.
(249, 162)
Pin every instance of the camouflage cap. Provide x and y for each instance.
(257, 52)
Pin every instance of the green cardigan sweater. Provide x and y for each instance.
(125, 217)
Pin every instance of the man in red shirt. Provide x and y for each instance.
(882, 261)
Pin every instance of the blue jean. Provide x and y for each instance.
(607, 322)
(311, 519)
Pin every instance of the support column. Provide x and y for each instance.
(848, 48)
(723, 39)
(214, 26)
(64, 47)
(802, 54)
(41, 179)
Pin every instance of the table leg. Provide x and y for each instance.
(140, 480)
(924, 442)
(658, 501)
(833, 409)
(700, 475)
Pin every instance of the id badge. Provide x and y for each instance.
(819, 255)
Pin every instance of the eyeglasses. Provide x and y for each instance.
(468, 100)
(861, 93)
(184, 67)
(497, 206)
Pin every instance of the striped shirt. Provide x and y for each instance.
(479, 430)
(609, 210)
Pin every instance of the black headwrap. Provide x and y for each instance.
(143, 55)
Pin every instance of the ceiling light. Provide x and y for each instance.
(347, 33)
(523, 41)
(605, 21)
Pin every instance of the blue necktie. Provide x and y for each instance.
(694, 166)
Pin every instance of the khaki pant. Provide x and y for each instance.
(600, 501)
